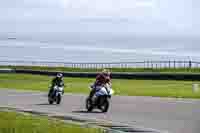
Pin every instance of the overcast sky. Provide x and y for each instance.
(142, 17)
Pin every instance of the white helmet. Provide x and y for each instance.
(59, 75)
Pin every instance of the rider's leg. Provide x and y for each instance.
(50, 91)
(92, 92)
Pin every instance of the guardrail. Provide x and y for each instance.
(115, 75)
(7, 71)
(142, 64)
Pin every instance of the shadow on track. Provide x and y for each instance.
(86, 112)
(44, 104)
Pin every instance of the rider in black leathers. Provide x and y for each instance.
(56, 81)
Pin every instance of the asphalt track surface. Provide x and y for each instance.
(146, 114)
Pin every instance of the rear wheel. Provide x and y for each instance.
(89, 105)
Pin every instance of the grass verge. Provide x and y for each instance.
(158, 88)
(11, 122)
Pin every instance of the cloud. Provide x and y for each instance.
(105, 7)
(140, 16)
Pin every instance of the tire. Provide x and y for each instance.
(89, 106)
(105, 106)
(59, 97)
(50, 101)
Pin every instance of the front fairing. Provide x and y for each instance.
(104, 91)
(58, 89)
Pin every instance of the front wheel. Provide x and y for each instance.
(58, 99)
(105, 106)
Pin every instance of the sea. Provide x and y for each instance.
(78, 48)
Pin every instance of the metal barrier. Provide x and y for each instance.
(139, 75)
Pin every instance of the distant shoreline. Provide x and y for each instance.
(11, 38)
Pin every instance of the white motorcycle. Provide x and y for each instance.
(56, 95)
(101, 99)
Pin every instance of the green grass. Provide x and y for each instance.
(160, 88)
(11, 122)
(67, 69)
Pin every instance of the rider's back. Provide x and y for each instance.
(102, 79)
(58, 82)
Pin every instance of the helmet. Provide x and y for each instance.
(59, 75)
(105, 71)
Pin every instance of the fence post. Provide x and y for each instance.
(174, 64)
(190, 64)
(184, 63)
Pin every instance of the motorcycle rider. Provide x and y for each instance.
(58, 80)
(102, 79)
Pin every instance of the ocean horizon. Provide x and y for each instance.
(99, 49)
